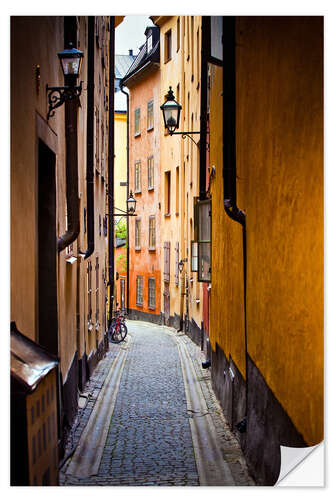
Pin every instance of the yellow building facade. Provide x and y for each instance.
(180, 38)
(266, 311)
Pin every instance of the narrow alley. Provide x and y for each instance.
(158, 431)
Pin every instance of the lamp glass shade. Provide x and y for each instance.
(71, 61)
(131, 204)
(171, 112)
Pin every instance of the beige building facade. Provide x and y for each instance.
(59, 176)
(182, 300)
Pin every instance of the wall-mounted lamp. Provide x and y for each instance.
(181, 265)
(171, 114)
(131, 206)
(71, 61)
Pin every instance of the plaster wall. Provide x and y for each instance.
(145, 262)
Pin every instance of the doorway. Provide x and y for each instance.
(47, 250)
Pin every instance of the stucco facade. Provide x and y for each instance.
(274, 347)
(53, 301)
(144, 162)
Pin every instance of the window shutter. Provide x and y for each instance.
(176, 263)
(166, 273)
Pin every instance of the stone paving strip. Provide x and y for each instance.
(87, 457)
(161, 423)
(212, 468)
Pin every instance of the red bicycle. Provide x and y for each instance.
(118, 330)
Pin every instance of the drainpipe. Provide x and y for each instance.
(229, 159)
(72, 198)
(73, 221)
(111, 167)
(229, 122)
(90, 138)
(203, 105)
(127, 195)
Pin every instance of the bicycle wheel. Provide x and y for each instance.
(111, 331)
(119, 333)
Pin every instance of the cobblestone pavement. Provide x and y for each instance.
(149, 440)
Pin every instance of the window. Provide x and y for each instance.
(139, 291)
(166, 271)
(177, 191)
(152, 232)
(178, 34)
(176, 263)
(137, 183)
(203, 231)
(167, 199)
(151, 172)
(194, 256)
(167, 46)
(97, 127)
(137, 122)
(89, 292)
(150, 115)
(138, 234)
(122, 293)
(149, 43)
(97, 292)
(151, 293)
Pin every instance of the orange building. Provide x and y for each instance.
(143, 82)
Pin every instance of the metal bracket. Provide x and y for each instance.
(58, 95)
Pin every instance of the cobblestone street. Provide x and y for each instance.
(149, 440)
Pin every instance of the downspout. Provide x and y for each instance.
(72, 198)
(203, 104)
(127, 196)
(73, 221)
(229, 160)
(111, 166)
(90, 138)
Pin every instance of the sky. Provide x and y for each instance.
(130, 34)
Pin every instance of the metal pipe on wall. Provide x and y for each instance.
(72, 197)
(90, 138)
(111, 165)
(203, 104)
(127, 196)
(229, 158)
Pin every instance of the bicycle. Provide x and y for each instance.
(118, 330)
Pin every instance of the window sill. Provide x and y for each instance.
(151, 189)
(137, 249)
(150, 129)
(137, 192)
(167, 60)
(152, 249)
(137, 135)
(167, 215)
(139, 305)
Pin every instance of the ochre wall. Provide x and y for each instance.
(144, 262)
(226, 321)
(280, 186)
(120, 161)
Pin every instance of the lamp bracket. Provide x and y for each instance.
(58, 95)
(186, 134)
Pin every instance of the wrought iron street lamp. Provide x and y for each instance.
(171, 114)
(131, 206)
(181, 265)
(71, 62)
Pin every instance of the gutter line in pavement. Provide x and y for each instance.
(213, 470)
(88, 454)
